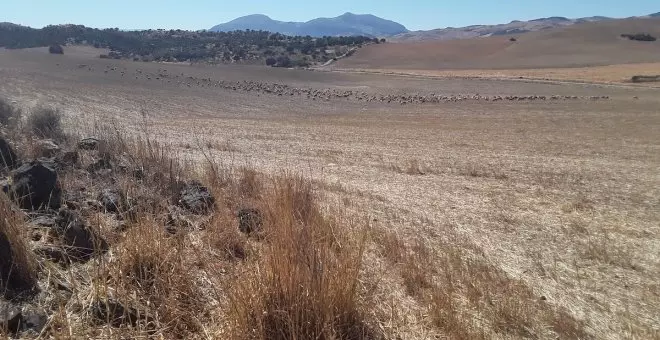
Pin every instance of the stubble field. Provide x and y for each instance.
(545, 208)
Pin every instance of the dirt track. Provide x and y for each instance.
(560, 194)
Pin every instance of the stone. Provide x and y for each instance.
(8, 158)
(112, 200)
(196, 198)
(47, 148)
(34, 185)
(44, 221)
(103, 163)
(80, 241)
(5, 186)
(33, 320)
(89, 143)
(249, 220)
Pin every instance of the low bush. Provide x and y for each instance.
(639, 37)
(55, 49)
(8, 112)
(46, 122)
(645, 79)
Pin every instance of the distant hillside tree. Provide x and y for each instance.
(639, 37)
(55, 49)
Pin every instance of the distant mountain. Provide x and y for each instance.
(655, 15)
(348, 24)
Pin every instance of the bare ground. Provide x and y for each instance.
(562, 196)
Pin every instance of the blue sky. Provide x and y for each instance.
(203, 14)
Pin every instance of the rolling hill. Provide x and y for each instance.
(583, 44)
(514, 27)
(348, 24)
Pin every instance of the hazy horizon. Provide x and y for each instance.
(425, 15)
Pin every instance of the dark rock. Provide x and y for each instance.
(47, 148)
(112, 200)
(8, 158)
(113, 313)
(34, 185)
(10, 317)
(79, 240)
(90, 143)
(196, 198)
(249, 220)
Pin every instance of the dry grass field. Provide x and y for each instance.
(472, 219)
(620, 74)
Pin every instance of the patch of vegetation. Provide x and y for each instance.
(179, 46)
(8, 112)
(46, 122)
(55, 49)
(639, 37)
(645, 79)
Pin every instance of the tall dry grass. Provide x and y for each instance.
(18, 275)
(305, 285)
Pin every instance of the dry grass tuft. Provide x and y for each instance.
(152, 272)
(8, 113)
(18, 275)
(305, 284)
(46, 122)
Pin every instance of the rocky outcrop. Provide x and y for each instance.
(34, 185)
(196, 198)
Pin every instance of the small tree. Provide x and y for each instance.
(283, 61)
(56, 49)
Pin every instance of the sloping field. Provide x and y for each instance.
(589, 44)
(487, 220)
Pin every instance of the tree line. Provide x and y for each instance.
(180, 45)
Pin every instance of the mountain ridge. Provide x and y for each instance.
(347, 24)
